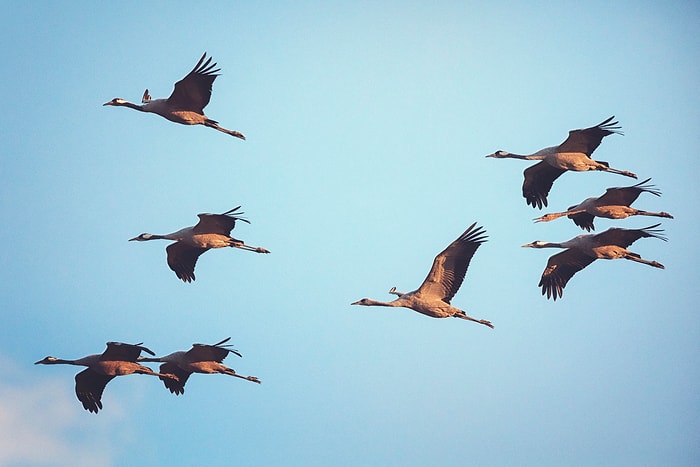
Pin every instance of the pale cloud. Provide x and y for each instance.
(42, 423)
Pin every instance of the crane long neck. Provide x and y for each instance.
(85, 361)
(170, 236)
(61, 361)
(131, 105)
(554, 245)
(556, 215)
(150, 359)
(170, 358)
(393, 303)
(526, 157)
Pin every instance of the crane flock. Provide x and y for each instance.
(124, 359)
(433, 298)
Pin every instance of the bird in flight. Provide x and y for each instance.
(433, 297)
(212, 231)
(582, 250)
(573, 154)
(201, 358)
(118, 360)
(613, 204)
(187, 101)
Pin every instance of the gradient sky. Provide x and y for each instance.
(367, 126)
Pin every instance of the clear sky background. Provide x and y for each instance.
(367, 126)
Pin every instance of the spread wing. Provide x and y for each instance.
(539, 179)
(219, 223)
(588, 139)
(625, 237)
(176, 387)
(210, 353)
(89, 387)
(119, 351)
(450, 266)
(182, 258)
(583, 220)
(193, 92)
(560, 268)
(625, 196)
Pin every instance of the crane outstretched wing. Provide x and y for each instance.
(539, 179)
(625, 196)
(583, 220)
(219, 223)
(586, 140)
(124, 352)
(560, 268)
(177, 387)
(89, 387)
(210, 353)
(193, 92)
(625, 237)
(450, 266)
(182, 259)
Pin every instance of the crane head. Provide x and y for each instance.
(535, 244)
(46, 360)
(364, 301)
(116, 101)
(142, 238)
(499, 154)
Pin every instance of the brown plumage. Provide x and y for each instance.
(118, 360)
(212, 231)
(584, 249)
(187, 101)
(433, 297)
(201, 358)
(573, 154)
(613, 204)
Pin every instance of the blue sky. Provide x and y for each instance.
(367, 126)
